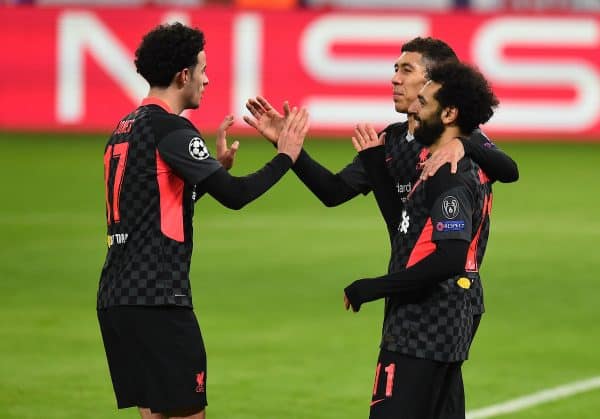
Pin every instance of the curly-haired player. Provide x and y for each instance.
(438, 242)
(156, 165)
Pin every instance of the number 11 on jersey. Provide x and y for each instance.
(390, 370)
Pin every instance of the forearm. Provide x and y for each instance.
(330, 188)
(445, 262)
(235, 192)
(493, 161)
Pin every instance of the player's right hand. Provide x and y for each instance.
(450, 152)
(348, 304)
(292, 134)
(265, 119)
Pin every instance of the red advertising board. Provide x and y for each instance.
(72, 69)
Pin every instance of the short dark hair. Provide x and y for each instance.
(463, 87)
(166, 50)
(434, 51)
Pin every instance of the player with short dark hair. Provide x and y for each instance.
(433, 51)
(410, 74)
(428, 322)
(156, 165)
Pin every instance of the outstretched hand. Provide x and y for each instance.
(347, 304)
(265, 119)
(293, 132)
(450, 152)
(225, 155)
(366, 137)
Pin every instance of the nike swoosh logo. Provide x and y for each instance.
(374, 402)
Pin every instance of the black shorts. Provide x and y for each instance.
(156, 357)
(414, 388)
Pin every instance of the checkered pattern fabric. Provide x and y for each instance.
(402, 157)
(143, 266)
(439, 326)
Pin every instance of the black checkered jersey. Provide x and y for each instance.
(152, 162)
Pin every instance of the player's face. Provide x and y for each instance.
(409, 77)
(198, 80)
(427, 114)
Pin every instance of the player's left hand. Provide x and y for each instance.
(225, 155)
(450, 152)
(365, 137)
(347, 304)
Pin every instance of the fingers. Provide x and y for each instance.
(286, 108)
(360, 137)
(255, 108)
(298, 125)
(289, 118)
(227, 122)
(251, 122)
(432, 165)
(230, 154)
(292, 135)
(372, 134)
(302, 121)
(356, 144)
(263, 102)
(283, 135)
(365, 137)
(306, 124)
(224, 125)
(451, 153)
(346, 302)
(221, 141)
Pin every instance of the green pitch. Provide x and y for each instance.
(268, 282)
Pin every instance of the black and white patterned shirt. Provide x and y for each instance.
(152, 162)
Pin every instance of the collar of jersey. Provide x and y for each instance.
(150, 100)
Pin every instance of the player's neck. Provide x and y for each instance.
(448, 135)
(170, 97)
(411, 123)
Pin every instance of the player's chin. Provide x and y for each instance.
(400, 107)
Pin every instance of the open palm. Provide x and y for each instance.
(265, 119)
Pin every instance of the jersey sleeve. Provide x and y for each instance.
(452, 210)
(331, 188)
(185, 151)
(493, 161)
(388, 201)
(355, 176)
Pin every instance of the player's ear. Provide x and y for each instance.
(449, 115)
(182, 77)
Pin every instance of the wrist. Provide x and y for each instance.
(352, 292)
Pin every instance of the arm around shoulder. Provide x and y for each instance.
(493, 161)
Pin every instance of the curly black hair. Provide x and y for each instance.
(434, 51)
(166, 50)
(463, 87)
